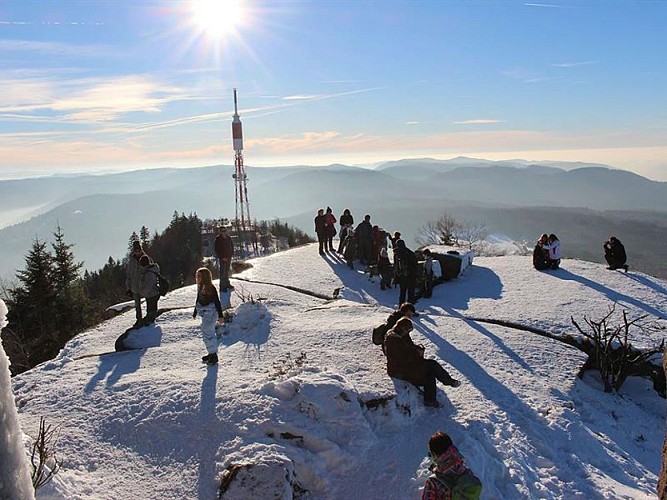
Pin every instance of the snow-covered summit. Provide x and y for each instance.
(302, 394)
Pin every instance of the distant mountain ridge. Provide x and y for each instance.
(99, 212)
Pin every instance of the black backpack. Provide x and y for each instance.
(162, 284)
(379, 332)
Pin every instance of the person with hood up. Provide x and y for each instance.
(450, 473)
(405, 361)
(148, 287)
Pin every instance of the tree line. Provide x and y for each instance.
(51, 301)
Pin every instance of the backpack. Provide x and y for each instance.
(464, 487)
(162, 284)
(379, 333)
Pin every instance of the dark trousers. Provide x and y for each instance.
(342, 242)
(322, 241)
(151, 308)
(434, 371)
(224, 266)
(329, 244)
(137, 306)
(405, 292)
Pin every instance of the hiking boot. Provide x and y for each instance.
(212, 359)
(455, 383)
(625, 267)
(205, 358)
(432, 404)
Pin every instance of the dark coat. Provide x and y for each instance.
(540, 258)
(406, 267)
(224, 247)
(615, 253)
(321, 226)
(346, 220)
(405, 359)
(205, 296)
(364, 232)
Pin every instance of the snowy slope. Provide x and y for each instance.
(302, 393)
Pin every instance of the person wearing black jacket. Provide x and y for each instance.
(405, 262)
(405, 361)
(614, 254)
(346, 222)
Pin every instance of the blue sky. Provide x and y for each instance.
(111, 85)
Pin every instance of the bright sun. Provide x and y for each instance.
(217, 17)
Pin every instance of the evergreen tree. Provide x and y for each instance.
(32, 303)
(73, 308)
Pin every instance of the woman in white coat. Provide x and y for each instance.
(554, 251)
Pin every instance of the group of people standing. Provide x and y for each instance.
(546, 254)
(370, 245)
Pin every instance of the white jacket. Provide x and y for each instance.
(554, 250)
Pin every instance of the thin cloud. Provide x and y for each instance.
(301, 97)
(56, 49)
(479, 121)
(573, 64)
(546, 5)
(320, 97)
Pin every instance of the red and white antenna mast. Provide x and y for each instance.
(244, 226)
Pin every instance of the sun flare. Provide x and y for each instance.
(217, 18)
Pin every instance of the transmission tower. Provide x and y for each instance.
(244, 225)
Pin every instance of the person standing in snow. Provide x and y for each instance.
(385, 269)
(133, 279)
(350, 248)
(148, 287)
(405, 361)
(364, 232)
(329, 221)
(346, 222)
(554, 251)
(224, 250)
(321, 230)
(428, 273)
(614, 254)
(209, 309)
(406, 268)
(450, 473)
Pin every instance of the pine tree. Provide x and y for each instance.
(73, 309)
(32, 301)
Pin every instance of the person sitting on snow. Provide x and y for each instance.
(405, 361)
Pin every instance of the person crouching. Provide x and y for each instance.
(210, 311)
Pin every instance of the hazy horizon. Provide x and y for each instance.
(140, 84)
